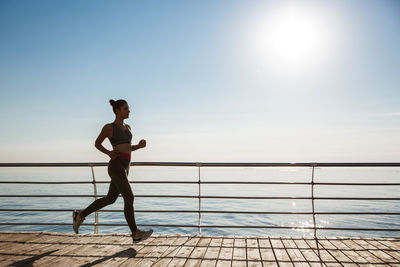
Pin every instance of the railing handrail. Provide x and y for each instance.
(201, 196)
(208, 164)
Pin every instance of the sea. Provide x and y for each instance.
(189, 173)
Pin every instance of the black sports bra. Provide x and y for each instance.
(120, 136)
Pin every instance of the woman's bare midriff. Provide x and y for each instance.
(124, 148)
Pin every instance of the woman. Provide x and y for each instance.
(120, 136)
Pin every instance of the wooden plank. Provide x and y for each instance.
(223, 263)
(253, 254)
(201, 248)
(184, 251)
(26, 252)
(268, 263)
(205, 243)
(294, 253)
(140, 259)
(318, 252)
(252, 243)
(14, 243)
(314, 252)
(365, 255)
(280, 253)
(251, 263)
(276, 243)
(173, 248)
(196, 257)
(382, 255)
(347, 247)
(216, 241)
(225, 253)
(264, 243)
(239, 255)
(391, 243)
(228, 242)
(382, 251)
(208, 263)
(18, 236)
(213, 249)
(8, 238)
(267, 253)
(62, 245)
(101, 246)
(155, 250)
(395, 253)
(122, 250)
(84, 250)
(190, 261)
(326, 254)
(60, 249)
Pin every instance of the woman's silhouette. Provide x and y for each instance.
(120, 136)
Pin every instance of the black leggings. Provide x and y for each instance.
(118, 170)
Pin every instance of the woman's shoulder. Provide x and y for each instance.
(108, 127)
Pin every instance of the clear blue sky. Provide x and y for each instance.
(202, 78)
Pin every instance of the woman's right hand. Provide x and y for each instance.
(112, 154)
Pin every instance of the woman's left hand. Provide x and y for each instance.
(142, 143)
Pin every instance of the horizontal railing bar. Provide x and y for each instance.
(227, 197)
(217, 211)
(42, 182)
(100, 182)
(291, 183)
(212, 164)
(193, 182)
(211, 226)
(357, 184)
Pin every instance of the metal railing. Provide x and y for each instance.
(313, 165)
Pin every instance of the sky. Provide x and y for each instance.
(206, 81)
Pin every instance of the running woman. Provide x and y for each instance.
(120, 136)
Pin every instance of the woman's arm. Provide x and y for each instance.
(142, 143)
(105, 132)
(134, 147)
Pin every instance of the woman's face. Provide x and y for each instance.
(124, 111)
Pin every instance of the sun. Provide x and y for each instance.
(293, 38)
(290, 39)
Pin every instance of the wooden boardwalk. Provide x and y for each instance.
(60, 249)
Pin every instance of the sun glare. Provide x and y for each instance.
(290, 39)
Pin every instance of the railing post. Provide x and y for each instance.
(313, 212)
(199, 211)
(96, 214)
(312, 201)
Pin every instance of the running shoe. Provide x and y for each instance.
(141, 235)
(77, 220)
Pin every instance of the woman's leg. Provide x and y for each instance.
(118, 171)
(110, 198)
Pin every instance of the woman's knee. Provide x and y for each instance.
(110, 200)
(128, 199)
